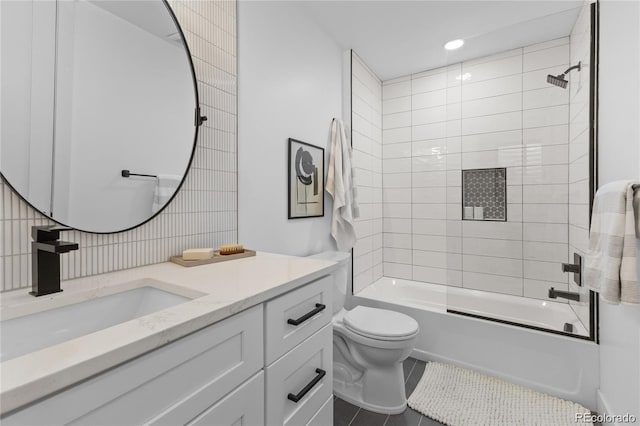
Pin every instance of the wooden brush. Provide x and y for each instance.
(231, 249)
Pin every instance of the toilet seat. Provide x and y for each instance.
(380, 324)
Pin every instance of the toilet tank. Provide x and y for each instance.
(340, 276)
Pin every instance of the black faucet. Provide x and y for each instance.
(553, 293)
(46, 249)
(574, 268)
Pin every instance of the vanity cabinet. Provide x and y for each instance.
(170, 385)
(299, 357)
(241, 370)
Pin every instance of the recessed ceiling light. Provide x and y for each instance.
(454, 44)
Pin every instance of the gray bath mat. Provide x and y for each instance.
(461, 397)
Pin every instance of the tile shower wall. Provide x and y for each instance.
(366, 123)
(579, 102)
(204, 213)
(491, 112)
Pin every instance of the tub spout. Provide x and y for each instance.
(553, 294)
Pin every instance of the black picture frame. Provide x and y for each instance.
(296, 176)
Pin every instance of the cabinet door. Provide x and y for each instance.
(299, 374)
(292, 318)
(242, 407)
(324, 416)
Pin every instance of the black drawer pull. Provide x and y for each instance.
(310, 385)
(319, 308)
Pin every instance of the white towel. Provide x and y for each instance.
(166, 186)
(341, 187)
(610, 265)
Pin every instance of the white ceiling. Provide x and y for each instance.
(397, 38)
(151, 16)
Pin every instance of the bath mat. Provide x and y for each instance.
(460, 397)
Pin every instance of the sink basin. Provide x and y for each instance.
(29, 333)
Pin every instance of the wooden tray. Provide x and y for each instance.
(217, 257)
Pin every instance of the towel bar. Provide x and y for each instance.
(127, 173)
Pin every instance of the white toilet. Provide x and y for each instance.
(369, 346)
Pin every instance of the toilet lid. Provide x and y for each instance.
(380, 323)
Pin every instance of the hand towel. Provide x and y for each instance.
(166, 186)
(340, 185)
(610, 265)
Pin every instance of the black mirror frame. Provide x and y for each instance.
(199, 121)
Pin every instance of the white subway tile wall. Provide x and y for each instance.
(579, 102)
(204, 212)
(366, 124)
(496, 111)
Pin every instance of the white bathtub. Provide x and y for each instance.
(440, 298)
(559, 365)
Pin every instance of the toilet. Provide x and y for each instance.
(369, 346)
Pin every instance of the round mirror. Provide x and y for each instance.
(99, 109)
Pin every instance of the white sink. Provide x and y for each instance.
(29, 333)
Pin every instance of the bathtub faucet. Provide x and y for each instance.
(553, 294)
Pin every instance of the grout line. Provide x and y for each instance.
(354, 416)
(522, 160)
(411, 371)
(412, 366)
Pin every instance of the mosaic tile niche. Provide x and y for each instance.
(484, 194)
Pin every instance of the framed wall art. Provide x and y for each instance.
(306, 180)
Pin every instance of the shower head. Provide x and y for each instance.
(559, 80)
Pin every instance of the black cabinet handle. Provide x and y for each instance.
(320, 374)
(319, 308)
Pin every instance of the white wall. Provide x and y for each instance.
(490, 112)
(619, 158)
(289, 86)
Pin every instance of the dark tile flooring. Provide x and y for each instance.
(345, 414)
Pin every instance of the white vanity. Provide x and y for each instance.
(244, 342)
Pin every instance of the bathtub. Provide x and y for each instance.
(559, 365)
(440, 298)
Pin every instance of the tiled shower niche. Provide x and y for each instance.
(484, 194)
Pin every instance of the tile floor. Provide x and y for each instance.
(345, 414)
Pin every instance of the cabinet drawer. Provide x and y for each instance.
(170, 385)
(324, 416)
(244, 406)
(302, 306)
(297, 371)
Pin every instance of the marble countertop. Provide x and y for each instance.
(220, 290)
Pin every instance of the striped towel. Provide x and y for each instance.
(610, 265)
(166, 186)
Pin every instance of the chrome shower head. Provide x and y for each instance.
(559, 80)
